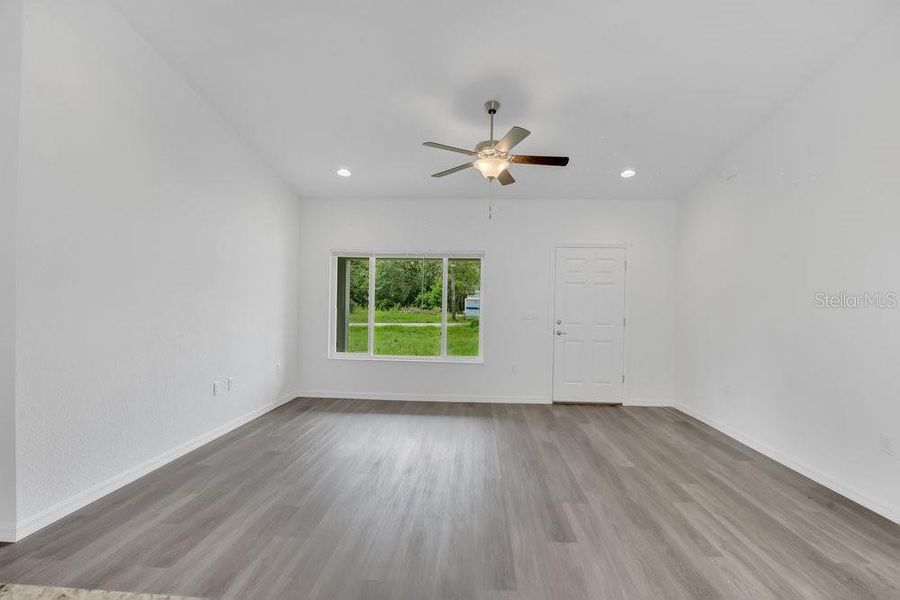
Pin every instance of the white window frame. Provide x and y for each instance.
(370, 355)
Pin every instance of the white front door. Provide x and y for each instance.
(589, 325)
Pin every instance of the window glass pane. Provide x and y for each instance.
(408, 297)
(352, 305)
(463, 306)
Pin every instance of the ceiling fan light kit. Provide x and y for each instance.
(492, 158)
(491, 167)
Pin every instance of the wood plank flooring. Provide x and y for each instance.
(362, 499)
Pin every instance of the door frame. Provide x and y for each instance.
(624, 246)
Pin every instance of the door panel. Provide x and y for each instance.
(589, 332)
(573, 352)
(604, 363)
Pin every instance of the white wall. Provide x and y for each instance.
(815, 207)
(156, 254)
(10, 51)
(518, 242)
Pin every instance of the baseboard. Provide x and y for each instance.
(428, 397)
(7, 532)
(464, 398)
(657, 402)
(62, 509)
(844, 490)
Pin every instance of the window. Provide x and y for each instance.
(400, 306)
(463, 306)
(353, 304)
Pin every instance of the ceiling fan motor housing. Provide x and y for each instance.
(486, 148)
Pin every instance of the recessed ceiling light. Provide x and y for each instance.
(628, 173)
(343, 172)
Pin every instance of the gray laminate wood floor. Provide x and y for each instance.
(356, 499)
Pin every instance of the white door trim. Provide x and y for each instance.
(625, 246)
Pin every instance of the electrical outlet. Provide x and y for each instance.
(217, 388)
(887, 444)
(514, 369)
(229, 384)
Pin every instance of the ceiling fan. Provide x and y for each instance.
(492, 158)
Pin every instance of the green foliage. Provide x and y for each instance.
(408, 282)
(408, 315)
(359, 339)
(463, 340)
(400, 340)
(413, 283)
(431, 298)
(359, 283)
(360, 314)
(465, 280)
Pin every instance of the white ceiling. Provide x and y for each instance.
(661, 86)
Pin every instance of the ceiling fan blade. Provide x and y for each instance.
(512, 137)
(551, 161)
(462, 167)
(505, 177)
(450, 148)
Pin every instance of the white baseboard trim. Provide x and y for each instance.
(7, 532)
(888, 512)
(428, 397)
(657, 402)
(465, 398)
(29, 525)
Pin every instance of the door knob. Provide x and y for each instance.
(558, 332)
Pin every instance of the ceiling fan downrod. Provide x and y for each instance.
(492, 106)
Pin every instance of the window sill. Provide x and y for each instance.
(464, 360)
